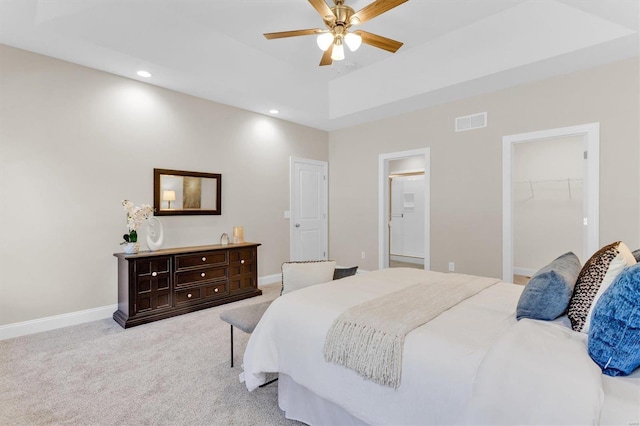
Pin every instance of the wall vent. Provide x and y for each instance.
(470, 122)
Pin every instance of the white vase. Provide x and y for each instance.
(131, 248)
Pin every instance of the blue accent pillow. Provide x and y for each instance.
(614, 336)
(547, 294)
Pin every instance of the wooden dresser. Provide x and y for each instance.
(154, 285)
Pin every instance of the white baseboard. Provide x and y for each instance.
(527, 272)
(269, 279)
(18, 329)
(408, 259)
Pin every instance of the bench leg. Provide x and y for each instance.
(231, 346)
(268, 383)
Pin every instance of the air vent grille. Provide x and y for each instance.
(470, 122)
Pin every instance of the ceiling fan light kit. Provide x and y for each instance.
(324, 40)
(353, 41)
(338, 51)
(338, 19)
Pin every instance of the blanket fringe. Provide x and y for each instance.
(369, 338)
(373, 354)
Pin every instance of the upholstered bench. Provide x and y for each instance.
(295, 275)
(245, 318)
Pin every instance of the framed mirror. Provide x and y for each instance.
(177, 192)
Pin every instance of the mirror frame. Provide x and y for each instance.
(157, 173)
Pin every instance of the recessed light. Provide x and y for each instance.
(274, 111)
(145, 74)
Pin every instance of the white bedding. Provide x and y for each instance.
(441, 358)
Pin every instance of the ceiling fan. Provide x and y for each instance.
(338, 20)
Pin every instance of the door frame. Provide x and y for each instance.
(325, 202)
(591, 235)
(383, 203)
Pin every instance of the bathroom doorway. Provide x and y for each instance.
(403, 209)
(406, 213)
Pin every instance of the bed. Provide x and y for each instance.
(472, 364)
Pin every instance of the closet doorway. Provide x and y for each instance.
(403, 209)
(550, 198)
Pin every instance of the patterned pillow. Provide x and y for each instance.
(549, 290)
(297, 275)
(596, 276)
(636, 254)
(614, 338)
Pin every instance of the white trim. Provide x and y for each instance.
(591, 133)
(383, 196)
(325, 171)
(407, 259)
(9, 331)
(18, 329)
(406, 172)
(527, 272)
(269, 279)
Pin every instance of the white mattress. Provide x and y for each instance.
(440, 361)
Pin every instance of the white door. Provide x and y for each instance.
(308, 230)
(407, 218)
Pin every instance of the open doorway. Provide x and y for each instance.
(406, 214)
(404, 209)
(548, 202)
(550, 197)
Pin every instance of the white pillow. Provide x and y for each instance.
(297, 275)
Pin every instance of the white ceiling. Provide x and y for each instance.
(214, 49)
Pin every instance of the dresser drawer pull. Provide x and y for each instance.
(215, 290)
(204, 259)
(202, 274)
(153, 274)
(189, 296)
(242, 261)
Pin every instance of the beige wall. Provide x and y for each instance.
(75, 142)
(466, 167)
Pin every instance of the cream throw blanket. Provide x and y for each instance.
(369, 338)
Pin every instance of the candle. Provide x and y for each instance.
(238, 234)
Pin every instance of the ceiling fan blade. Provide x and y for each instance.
(326, 57)
(374, 9)
(378, 41)
(323, 9)
(295, 33)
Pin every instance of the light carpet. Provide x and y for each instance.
(170, 372)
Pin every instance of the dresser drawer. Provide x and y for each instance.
(188, 295)
(200, 276)
(204, 259)
(216, 290)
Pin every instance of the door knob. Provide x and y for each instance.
(297, 225)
